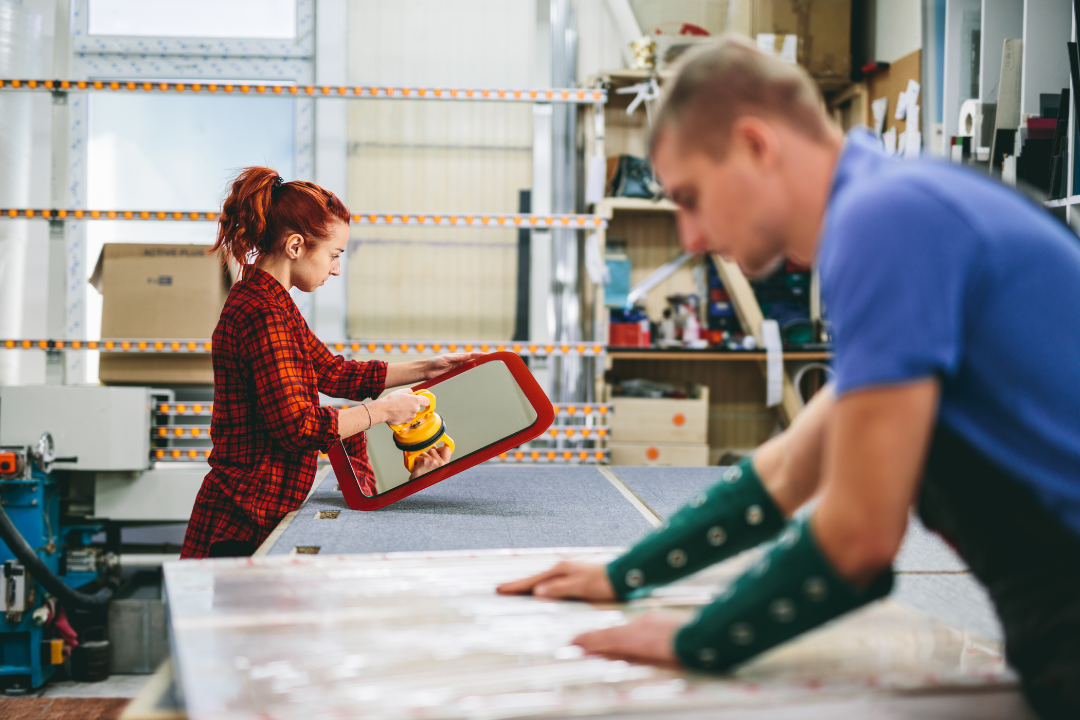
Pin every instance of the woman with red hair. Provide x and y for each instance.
(269, 369)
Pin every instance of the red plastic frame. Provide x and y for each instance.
(545, 416)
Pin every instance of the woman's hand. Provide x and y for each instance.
(430, 459)
(650, 639)
(436, 366)
(397, 408)
(568, 581)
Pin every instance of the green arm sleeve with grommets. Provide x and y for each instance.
(791, 590)
(734, 514)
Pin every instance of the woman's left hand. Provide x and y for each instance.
(436, 366)
(649, 639)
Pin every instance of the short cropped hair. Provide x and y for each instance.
(720, 83)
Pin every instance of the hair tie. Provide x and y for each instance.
(278, 182)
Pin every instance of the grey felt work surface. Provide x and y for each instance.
(490, 506)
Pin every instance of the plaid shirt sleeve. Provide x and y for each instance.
(283, 387)
(343, 378)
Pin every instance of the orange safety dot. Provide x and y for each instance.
(599, 454)
(420, 347)
(567, 455)
(245, 88)
(125, 345)
(159, 346)
(603, 409)
(500, 348)
(485, 348)
(195, 432)
(141, 345)
(176, 453)
(404, 348)
(159, 453)
(388, 347)
(437, 347)
(554, 432)
(678, 419)
(452, 347)
(338, 347)
(602, 432)
(163, 408)
(110, 345)
(532, 348)
(585, 432)
(9, 343)
(208, 345)
(196, 87)
(583, 455)
(371, 347)
(197, 408)
(569, 432)
(178, 432)
(534, 455)
(181, 408)
(355, 347)
(174, 346)
(549, 349)
(519, 455)
(551, 455)
(516, 348)
(193, 454)
(652, 453)
(502, 456)
(163, 432)
(587, 409)
(192, 346)
(177, 215)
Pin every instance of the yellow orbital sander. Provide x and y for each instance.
(424, 432)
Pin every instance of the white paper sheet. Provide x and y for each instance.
(774, 362)
(789, 51)
(595, 179)
(766, 43)
(912, 144)
(594, 260)
(879, 107)
(888, 141)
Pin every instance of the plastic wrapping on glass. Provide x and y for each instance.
(411, 635)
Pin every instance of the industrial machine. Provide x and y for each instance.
(43, 562)
(78, 462)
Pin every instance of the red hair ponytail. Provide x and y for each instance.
(261, 211)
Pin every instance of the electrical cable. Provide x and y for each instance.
(41, 572)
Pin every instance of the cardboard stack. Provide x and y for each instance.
(153, 292)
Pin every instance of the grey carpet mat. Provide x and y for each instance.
(666, 489)
(491, 506)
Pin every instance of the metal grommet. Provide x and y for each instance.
(754, 515)
(676, 558)
(716, 536)
(635, 578)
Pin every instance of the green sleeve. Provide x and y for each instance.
(734, 514)
(791, 590)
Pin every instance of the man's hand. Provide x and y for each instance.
(565, 581)
(442, 364)
(430, 459)
(648, 639)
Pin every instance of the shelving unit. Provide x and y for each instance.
(739, 418)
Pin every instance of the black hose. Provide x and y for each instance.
(41, 572)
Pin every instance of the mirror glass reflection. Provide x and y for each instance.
(479, 407)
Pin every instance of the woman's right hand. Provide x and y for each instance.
(566, 581)
(399, 407)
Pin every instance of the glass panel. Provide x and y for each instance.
(194, 18)
(169, 152)
(480, 407)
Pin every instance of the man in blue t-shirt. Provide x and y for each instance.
(955, 304)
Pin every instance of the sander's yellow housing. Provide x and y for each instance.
(425, 431)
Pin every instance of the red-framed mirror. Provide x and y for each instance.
(489, 406)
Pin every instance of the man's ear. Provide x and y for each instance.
(757, 139)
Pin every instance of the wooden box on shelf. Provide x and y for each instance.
(661, 420)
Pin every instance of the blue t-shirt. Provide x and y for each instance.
(931, 270)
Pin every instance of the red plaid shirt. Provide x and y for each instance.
(268, 426)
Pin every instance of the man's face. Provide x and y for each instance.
(733, 207)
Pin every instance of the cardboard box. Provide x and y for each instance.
(153, 292)
(663, 454)
(823, 29)
(661, 420)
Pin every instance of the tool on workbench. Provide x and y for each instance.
(425, 431)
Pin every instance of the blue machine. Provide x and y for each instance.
(30, 649)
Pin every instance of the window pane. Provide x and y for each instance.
(169, 152)
(194, 18)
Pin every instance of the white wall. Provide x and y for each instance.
(897, 28)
